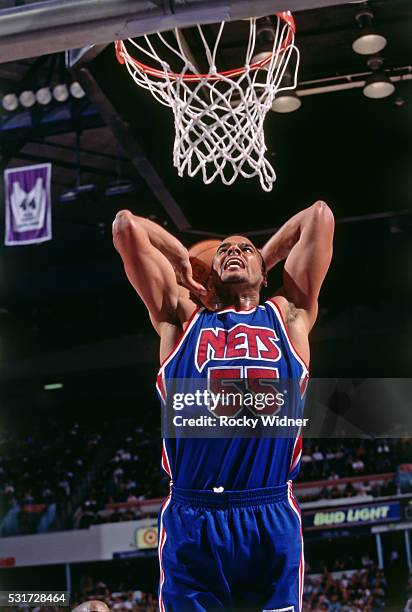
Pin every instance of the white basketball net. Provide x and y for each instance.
(219, 116)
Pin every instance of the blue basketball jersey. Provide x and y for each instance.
(249, 345)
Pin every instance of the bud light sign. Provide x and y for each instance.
(353, 516)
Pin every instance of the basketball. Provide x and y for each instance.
(201, 256)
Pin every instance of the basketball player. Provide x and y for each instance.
(230, 533)
(92, 606)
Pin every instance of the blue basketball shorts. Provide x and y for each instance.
(231, 550)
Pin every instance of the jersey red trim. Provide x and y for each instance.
(160, 374)
(165, 460)
(295, 508)
(297, 453)
(162, 540)
(237, 310)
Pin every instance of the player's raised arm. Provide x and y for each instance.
(305, 241)
(153, 260)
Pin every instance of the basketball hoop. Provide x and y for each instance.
(219, 114)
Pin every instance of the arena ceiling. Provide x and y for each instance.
(65, 305)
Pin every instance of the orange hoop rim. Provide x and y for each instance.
(122, 53)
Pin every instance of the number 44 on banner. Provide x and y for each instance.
(28, 204)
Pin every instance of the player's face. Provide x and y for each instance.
(238, 261)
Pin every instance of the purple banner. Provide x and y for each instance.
(28, 204)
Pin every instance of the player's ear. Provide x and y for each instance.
(264, 280)
(264, 273)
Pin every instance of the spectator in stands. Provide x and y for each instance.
(317, 454)
(119, 600)
(349, 490)
(131, 472)
(361, 590)
(358, 466)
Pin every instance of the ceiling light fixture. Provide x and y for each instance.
(27, 98)
(10, 102)
(74, 193)
(286, 99)
(367, 41)
(77, 90)
(118, 188)
(61, 92)
(378, 84)
(53, 386)
(265, 36)
(286, 102)
(70, 195)
(44, 96)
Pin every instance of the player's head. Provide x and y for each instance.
(94, 605)
(238, 262)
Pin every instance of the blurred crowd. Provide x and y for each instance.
(120, 600)
(358, 591)
(41, 472)
(133, 474)
(373, 489)
(408, 604)
(352, 591)
(335, 459)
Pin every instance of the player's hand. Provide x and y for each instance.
(184, 275)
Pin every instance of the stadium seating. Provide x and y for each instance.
(79, 478)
